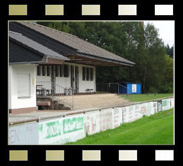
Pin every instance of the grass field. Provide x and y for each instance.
(156, 129)
(145, 97)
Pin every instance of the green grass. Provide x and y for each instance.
(145, 97)
(156, 129)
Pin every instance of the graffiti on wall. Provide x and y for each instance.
(125, 114)
(50, 131)
(72, 128)
(154, 108)
(24, 134)
(165, 104)
(92, 122)
(138, 113)
(58, 131)
(73, 124)
(159, 105)
(106, 119)
(149, 108)
(131, 113)
(117, 117)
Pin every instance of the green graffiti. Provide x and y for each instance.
(73, 124)
(41, 127)
(53, 129)
(164, 103)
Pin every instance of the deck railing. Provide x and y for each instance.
(55, 92)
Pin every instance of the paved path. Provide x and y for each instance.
(48, 114)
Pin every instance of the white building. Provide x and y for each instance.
(41, 55)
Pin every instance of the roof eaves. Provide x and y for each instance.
(78, 52)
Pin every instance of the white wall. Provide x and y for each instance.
(83, 85)
(24, 134)
(66, 81)
(14, 101)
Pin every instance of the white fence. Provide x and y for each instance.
(75, 127)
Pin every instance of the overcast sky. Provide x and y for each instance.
(166, 30)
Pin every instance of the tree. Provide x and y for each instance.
(167, 83)
(154, 66)
(169, 51)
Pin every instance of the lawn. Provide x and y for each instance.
(145, 97)
(156, 129)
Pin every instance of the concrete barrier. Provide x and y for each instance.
(74, 127)
(24, 134)
(92, 122)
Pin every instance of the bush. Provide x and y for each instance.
(167, 88)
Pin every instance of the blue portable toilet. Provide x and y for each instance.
(130, 88)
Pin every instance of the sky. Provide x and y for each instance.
(166, 30)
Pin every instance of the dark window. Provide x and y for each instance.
(52, 69)
(43, 70)
(38, 70)
(57, 68)
(91, 74)
(87, 74)
(84, 73)
(66, 70)
(61, 70)
(48, 70)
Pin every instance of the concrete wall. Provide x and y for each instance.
(75, 127)
(24, 134)
(14, 101)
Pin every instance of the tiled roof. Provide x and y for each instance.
(80, 45)
(35, 46)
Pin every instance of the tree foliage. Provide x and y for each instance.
(131, 41)
(169, 50)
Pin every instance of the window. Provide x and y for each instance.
(91, 74)
(66, 70)
(52, 70)
(61, 70)
(23, 85)
(43, 70)
(38, 71)
(84, 73)
(57, 71)
(48, 70)
(87, 74)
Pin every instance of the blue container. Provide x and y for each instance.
(130, 88)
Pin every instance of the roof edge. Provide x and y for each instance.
(108, 59)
